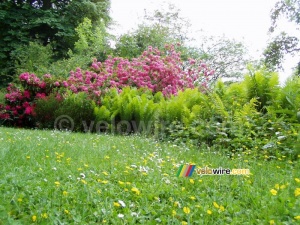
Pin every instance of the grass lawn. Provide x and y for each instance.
(50, 177)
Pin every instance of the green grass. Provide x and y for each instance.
(50, 177)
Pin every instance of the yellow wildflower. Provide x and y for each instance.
(297, 180)
(216, 205)
(271, 222)
(273, 192)
(116, 204)
(192, 181)
(173, 213)
(297, 192)
(186, 210)
(277, 186)
(297, 217)
(135, 190)
(33, 218)
(222, 208)
(193, 198)
(209, 212)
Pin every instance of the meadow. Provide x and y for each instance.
(52, 177)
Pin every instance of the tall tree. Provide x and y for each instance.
(283, 43)
(47, 21)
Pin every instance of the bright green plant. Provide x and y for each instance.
(264, 86)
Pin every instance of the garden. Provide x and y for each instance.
(120, 136)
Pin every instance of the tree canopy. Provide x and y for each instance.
(283, 43)
(46, 21)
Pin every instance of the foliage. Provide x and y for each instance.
(51, 177)
(78, 107)
(228, 57)
(130, 111)
(264, 86)
(33, 58)
(45, 109)
(48, 22)
(283, 44)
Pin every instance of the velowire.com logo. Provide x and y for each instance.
(188, 169)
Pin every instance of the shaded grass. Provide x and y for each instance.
(50, 177)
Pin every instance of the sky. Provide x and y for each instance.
(244, 20)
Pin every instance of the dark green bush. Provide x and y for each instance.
(45, 111)
(77, 110)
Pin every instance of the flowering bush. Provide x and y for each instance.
(153, 70)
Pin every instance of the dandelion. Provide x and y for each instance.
(83, 181)
(192, 181)
(173, 213)
(176, 204)
(56, 183)
(297, 217)
(33, 218)
(105, 173)
(216, 205)
(121, 182)
(104, 182)
(116, 204)
(135, 190)
(186, 210)
(277, 186)
(66, 211)
(45, 215)
(20, 199)
(273, 192)
(297, 192)
(271, 222)
(65, 193)
(192, 198)
(297, 180)
(184, 223)
(209, 212)
(222, 208)
(27, 157)
(283, 186)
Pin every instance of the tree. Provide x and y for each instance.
(156, 29)
(227, 57)
(283, 43)
(47, 21)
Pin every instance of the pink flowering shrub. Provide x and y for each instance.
(153, 70)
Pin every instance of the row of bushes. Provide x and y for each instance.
(112, 97)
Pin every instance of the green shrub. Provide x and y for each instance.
(264, 86)
(45, 111)
(77, 110)
(133, 108)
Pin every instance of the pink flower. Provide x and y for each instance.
(42, 85)
(28, 110)
(65, 84)
(26, 94)
(47, 76)
(40, 95)
(56, 84)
